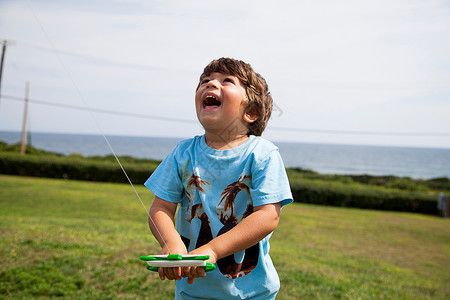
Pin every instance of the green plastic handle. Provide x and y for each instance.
(174, 257)
(208, 267)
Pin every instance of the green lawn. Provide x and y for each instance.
(82, 240)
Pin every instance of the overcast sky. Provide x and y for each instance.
(348, 72)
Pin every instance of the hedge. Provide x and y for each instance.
(72, 168)
(361, 196)
(307, 191)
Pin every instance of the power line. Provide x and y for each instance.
(144, 116)
(98, 110)
(94, 58)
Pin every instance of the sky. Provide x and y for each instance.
(340, 72)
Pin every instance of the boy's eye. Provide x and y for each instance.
(204, 81)
(228, 80)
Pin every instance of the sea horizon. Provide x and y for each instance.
(184, 138)
(348, 159)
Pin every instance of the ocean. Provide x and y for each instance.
(419, 163)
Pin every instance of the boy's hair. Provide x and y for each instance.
(259, 101)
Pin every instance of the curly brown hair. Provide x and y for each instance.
(259, 100)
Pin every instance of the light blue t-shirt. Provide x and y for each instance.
(216, 189)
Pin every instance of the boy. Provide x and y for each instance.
(230, 184)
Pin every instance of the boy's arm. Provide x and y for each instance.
(162, 224)
(247, 233)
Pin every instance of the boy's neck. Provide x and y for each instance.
(224, 141)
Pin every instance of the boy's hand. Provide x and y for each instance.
(173, 273)
(194, 272)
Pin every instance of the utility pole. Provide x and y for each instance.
(5, 42)
(25, 116)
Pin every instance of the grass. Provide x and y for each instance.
(75, 239)
(82, 240)
(342, 253)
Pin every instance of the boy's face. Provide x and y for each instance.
(218, 103)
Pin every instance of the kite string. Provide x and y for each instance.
(61, 62)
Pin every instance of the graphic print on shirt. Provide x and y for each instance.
(227, 216)
(195, 182)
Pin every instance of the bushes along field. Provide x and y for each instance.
(361, 191)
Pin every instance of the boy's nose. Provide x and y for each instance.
(213, 83)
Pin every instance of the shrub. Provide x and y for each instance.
(360, 196)
(72, 168)
(383, 193)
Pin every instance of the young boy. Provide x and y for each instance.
(230, 184)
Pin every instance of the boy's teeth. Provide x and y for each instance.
(211, 101)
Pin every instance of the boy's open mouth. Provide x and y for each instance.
(211, 102)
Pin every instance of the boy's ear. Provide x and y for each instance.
(249, 118)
